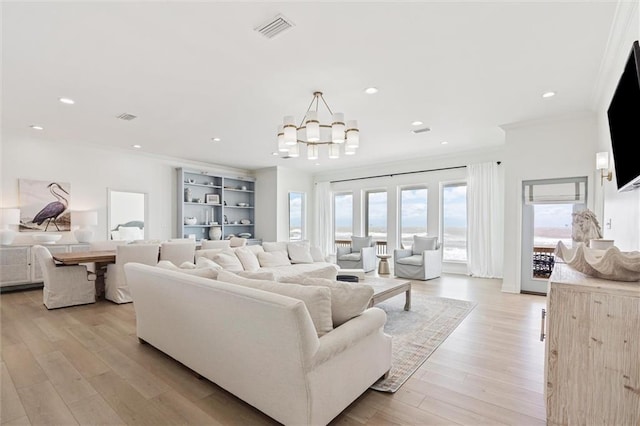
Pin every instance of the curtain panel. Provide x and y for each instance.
(324, 217)
(485, 220)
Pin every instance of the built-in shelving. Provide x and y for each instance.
(224, 193)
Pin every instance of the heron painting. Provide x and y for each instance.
(44, 206)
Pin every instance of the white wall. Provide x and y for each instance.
(91, 170)
(266, 192)
(546, 149)
(620, 210)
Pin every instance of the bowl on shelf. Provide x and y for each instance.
(244, 235)
(245, 222)
(45, 238)
(243, 204)
(190, 220)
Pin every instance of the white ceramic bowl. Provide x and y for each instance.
(190, 220)
(47, 238)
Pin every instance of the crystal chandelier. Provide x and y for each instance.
(312, 133)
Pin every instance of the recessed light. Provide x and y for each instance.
(67, 101)
(275, 154)
(216, 139)
(36, 127)
(371, 90)
(417, 123)
(444, 143)
(548, 94)
(136, 146)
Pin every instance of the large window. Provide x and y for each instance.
(454, 222)
(343, 216)
(413, 214)
(376, 224)
(296, 216)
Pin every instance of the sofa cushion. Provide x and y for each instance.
(228, 260)
(348, 300)
(358, 243)
(274, 258)
(421, 244)
(415, 260)
(354, 257)
(248, 259)
(316, 254)
(254, 248)
(329, 272)
(316, 299)
(208, 253)
(270, 246)
(205, 272)
(257, 275)
(299, 252)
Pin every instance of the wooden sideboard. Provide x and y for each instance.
(592, 365)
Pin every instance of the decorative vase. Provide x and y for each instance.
(187, 195)
(215, 233)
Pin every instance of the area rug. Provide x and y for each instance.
(418, 332)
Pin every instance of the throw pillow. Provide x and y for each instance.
(248, 259)
(187, 265)
(358, 243)
(228, 260)
(205, 272)
(203, 262)
(257, 275)
(255, 249)
(316, 299)
(208, 253)
(329, 272)
(348, 300)
(421, 244)
(130, 233)
(299, 252)
(273, 246)
(274, 258)
(316, 254)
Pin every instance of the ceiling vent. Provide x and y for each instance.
(424, 130)
(274, 26)
(126, 117)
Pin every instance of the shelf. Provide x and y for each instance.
(238, 207)
(202, 185)
(236, 224)
(202, 204)
(239, 190)
(200, 226)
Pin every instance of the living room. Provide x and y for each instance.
(542, 138)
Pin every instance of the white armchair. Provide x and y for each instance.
(422, 262)
(116, 287)
(64, 285)
(361, 254)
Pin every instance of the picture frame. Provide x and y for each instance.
(212, 199)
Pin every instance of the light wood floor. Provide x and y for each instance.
(84, 365)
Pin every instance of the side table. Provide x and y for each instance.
(383, 265)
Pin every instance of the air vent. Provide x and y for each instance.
(275, 26)
(126, 117)
(424, 130)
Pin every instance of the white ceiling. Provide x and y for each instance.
(193, 71)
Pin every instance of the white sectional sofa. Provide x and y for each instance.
(261, 346)
(281, 259)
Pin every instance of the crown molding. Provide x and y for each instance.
(548, 120)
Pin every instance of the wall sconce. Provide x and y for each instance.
(602, 164)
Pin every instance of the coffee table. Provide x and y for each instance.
(385, 288)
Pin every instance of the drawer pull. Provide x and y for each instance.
(543, 316)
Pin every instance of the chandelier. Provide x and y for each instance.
(312, 133)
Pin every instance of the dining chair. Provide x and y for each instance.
(178, 252)
(115, 286)
(64, 286)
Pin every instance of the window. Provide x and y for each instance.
(343, 217)
(454, 222)
(376, 224)
(413, 214)
(296, 216)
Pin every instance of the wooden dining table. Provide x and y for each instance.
(101, 259)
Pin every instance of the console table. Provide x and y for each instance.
(592, 367)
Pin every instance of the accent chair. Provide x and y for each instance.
(423, 261)
(116, 288)
(361, 254)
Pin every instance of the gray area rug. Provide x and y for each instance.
(418, 332)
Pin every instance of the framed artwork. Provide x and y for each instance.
(44, 206)
(212, 199)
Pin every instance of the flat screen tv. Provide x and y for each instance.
(624, 124)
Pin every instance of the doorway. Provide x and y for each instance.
(547, 208)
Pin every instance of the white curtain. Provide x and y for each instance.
(485, 220)
(324, 216)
